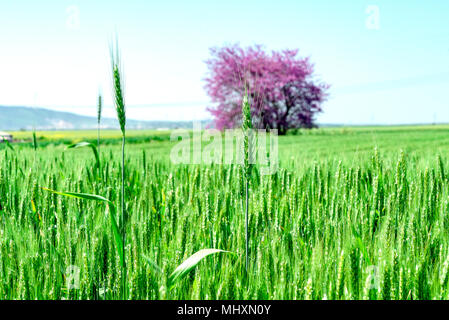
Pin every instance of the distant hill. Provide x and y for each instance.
(24, 118)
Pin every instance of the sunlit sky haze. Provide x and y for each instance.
(387, 61)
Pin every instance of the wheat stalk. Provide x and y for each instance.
(34, 139)
(99, 107)
(247, 127)
(121, 115)
(118, 90)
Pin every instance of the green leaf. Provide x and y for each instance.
(112, 213)
(117, 236)
(90, 145)
(190, 263)
(9, 145)
(84, 196)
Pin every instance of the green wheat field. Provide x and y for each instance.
(352, 213)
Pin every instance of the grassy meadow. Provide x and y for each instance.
(352, 213)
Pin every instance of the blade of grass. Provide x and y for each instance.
(9, 145)
(90, 145)
(112, 213)
(190, 263)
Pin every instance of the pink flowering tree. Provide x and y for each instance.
(281, 87)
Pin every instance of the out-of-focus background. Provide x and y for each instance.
(386, 62)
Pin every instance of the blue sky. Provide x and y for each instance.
(387, 61)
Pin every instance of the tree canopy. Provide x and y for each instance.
(281, 86)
